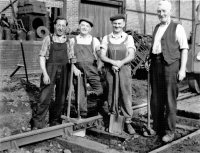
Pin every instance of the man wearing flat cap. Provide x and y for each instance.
(85, 48)
(117, 51)
(54, 57)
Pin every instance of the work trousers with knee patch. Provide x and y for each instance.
(89, 75)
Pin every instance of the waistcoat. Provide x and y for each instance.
(169, 45)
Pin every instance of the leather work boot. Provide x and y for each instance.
(148, 132)
(168, 137)
(129, 129)
(83, 115)
(34, 128)
(54, 123)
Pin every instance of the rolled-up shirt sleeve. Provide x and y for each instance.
(96, 47)
(96, 44)
(104, 43)
(45, 47)
(130, 43)
(181, 37)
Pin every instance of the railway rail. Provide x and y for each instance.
(65, 131)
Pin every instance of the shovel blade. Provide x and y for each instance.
(116, 124)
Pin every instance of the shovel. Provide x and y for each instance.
(116, 124)
(67, 118)
(148, 131)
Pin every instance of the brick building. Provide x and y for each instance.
(141, 16)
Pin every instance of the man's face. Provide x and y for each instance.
(85, 27)
(118, 25)
(164, 12)
(60, 27)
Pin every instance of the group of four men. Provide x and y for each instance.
(168, 59)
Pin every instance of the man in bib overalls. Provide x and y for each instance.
(85, 48)
(117, 51)
(54, 57)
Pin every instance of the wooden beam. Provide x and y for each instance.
(150, 13)
(193, 14)
(109, 2)
(145, 15)
(33, 136)
(167, 146)
(78, 144)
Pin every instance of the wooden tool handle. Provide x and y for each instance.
(116, 93)
(70, 91)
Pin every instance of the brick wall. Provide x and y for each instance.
(73, 14)
(11, 55)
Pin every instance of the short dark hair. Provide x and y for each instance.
(60, 18)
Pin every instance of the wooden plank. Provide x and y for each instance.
(103, 133)
(83, 145)
(110, 2)
(100, 14)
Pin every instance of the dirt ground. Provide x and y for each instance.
(15, 113)
(140, 144)
(190, 145)
(16, 101)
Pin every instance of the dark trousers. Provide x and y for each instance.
(58, 78)
(164, 87)
(91, 76)
(125, 94)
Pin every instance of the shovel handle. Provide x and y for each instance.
(70, 91)
(148, 100)
(78, 96)
(24, 60)
(116, 93)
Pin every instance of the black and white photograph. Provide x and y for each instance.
(99, 76)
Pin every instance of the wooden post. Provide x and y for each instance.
(64, 10)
